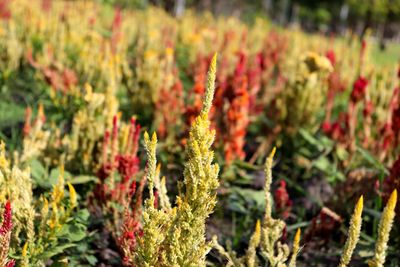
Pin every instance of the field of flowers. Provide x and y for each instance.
(132, 138)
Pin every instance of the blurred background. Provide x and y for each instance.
(327, 16)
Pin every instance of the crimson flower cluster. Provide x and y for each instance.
(60, 79)
(5, 234)
(283, 203)
(125, 163)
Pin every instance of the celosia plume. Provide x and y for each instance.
(283, 204)
(353, 234)
(385, 226)
(7, 223)
(5, 236)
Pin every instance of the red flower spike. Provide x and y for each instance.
(368, 108)
(135, 139)
(326, 127)
(5, 12)
(114, 140)
(330, 54)
(7, 220)
(363, 48)
(156, 200)
(283, 203)
(359, 89)
(28, 118)
(116, 29)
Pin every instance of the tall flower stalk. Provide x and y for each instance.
(176, 237)
(5, 236)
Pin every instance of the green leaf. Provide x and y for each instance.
(323, 164)
(55, 173)
(74, 232)
(373, 161)
(53, 251)
(310, 139)
(82, 215)
(237, 207)
(342, 153)
(38, 171)
(250, 195)
(91, 259)
(83, 179)
(245, 165)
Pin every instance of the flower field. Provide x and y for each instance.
(133, 138)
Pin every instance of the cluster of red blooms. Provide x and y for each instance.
(345, 125)
(125, 163)
(196, 93)
(170, 106)
(5, 234)
(359, 89)
(5, 12)
(131, 227)
(235, 99)
(283, 204)
(237, 94)
(335, 86)
(323, 225)
(344, 128)
(266, 67)
(60, 79)
(40, 119)
(234, 96)
(123, 191)
(116, 29)
(46, 5)
(390, 131)
(274, 50)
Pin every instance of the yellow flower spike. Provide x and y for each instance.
(25, 250)
(210, 86)
(257, 234)
(62, 171)
(150, 147)
(125, 137)
(72, 195)
(169, 51)
(41, 111)
(184, 224)
(353, 234)
(58, 189)
(158, 169)
(53, 222)
(254, 242)
(89, 92)
(296, 248)
(268, 182)
(385, 225)
(164, 200)
(45, 208)
(3, 161)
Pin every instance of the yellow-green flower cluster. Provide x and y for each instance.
(266, 237)
(176, 237)
(36, 227)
